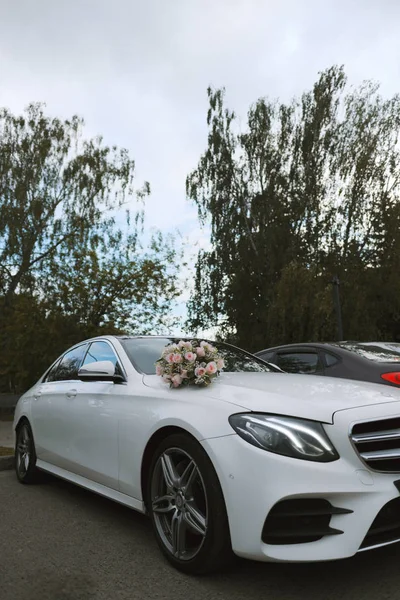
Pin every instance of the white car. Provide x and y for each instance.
(261, 464)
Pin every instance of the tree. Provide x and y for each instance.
(71, 262)
(54, 188)
(113, 283)
(309, 190)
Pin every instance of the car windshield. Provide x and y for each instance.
(376, 353)
(143, 353)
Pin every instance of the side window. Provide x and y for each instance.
(52, 374)
(298, 362)
(70, 363)
(330, 359)
(100, 351)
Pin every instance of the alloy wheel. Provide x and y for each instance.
(23, 451)
(179, 503)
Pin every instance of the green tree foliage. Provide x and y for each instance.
(72, 263)
(307, 190)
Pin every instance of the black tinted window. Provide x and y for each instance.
(330, 360)
(99, 351)
(298, 362)
(143, 353)
(52, 374)
(70, 363)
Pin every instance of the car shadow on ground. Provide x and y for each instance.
(370, 574)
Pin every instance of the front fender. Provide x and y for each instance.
(23, 409)
(203, 420)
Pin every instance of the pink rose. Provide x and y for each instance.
(177, 358)
(184, 374)
(159, 370)
(200, 372)
(211, 368)
(190, 356)
(220, 364)
(169, 349)
(170, 357)
(176, 380)
(200, 351)
(186, 345)
(207, 347)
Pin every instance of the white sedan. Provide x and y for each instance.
(260, 464)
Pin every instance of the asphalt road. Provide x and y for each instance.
(59, 542)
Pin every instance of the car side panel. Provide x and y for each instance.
(356, 369)
(23, 409)
(48, 425)
(91, 431)
(148, 411)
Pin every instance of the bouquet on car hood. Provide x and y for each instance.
(189, 363)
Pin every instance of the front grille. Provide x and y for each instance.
(299, 521)
(386, 526)
(378, 444)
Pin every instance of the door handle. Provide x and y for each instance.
(71, 393)
(37, 395)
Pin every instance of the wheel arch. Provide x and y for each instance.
(22, 419)
(151, 446)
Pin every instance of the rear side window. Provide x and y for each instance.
(298, 362)
(330, 359)
(69, 365)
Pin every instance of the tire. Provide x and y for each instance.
(25, 454)
(187, 507)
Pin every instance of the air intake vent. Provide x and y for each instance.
(386, 526)
(300, 521)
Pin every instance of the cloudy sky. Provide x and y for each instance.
(137, 71)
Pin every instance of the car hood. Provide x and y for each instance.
(304, 396)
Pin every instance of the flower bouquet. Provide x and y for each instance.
(189, 363)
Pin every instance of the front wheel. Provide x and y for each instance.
(25, 455)
(187, 507)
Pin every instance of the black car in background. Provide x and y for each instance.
(370, 361)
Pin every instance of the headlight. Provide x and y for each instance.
(289, 436)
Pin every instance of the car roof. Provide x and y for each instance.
(137, 337)
(339, 349)
(322, 345)
(110, 337)
(333, 345)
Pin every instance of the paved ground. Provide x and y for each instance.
(6, 435)
(59, 542)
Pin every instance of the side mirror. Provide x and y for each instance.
(102, 370)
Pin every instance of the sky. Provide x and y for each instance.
(138, 71)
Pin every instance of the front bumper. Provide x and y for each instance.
(254, 481)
